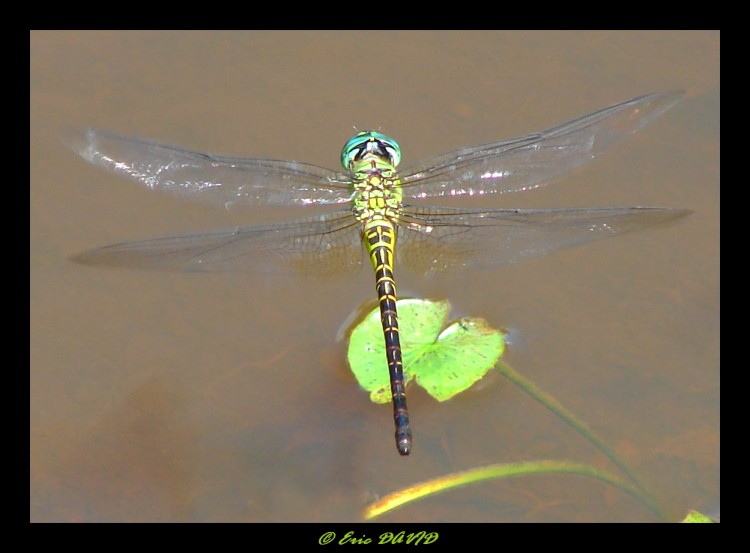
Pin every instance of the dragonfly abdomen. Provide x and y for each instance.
(379, 236)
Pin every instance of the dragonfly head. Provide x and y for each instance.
(370, 145)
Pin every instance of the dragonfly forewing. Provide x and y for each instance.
(223, 180)
(530, 161)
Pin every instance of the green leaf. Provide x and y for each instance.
(444, 361)
(463, 353)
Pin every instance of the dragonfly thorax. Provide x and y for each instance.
(372, 157)
(378, 196)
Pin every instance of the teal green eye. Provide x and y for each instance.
(372, 143)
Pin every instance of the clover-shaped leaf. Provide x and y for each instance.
(444, 361)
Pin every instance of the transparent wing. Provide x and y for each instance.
(318, 245)
(429, 240)
(529, 161)
(223, 180)
(440, 239)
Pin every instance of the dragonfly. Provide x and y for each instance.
(375, 215)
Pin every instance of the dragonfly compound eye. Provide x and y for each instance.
(370, 143)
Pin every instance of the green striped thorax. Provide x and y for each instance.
(372, 158)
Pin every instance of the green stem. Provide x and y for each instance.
(509, 470)
(579, 426)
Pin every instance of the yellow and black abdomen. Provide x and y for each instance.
(379, 235)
